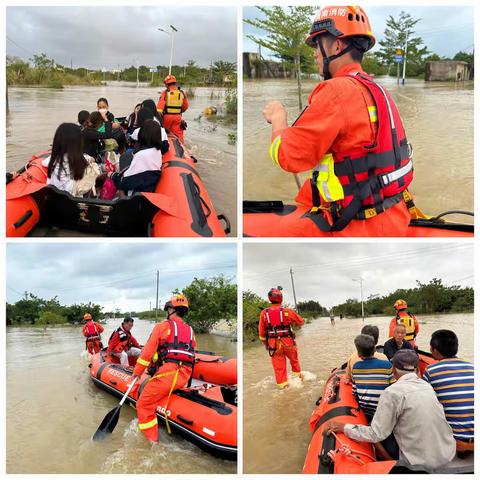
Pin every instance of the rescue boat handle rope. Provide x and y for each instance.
(347, 451)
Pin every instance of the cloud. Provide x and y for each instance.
(445, 30)
(97, 37)
(112, 274)
(325, 271)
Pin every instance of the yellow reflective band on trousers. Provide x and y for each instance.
(144, 426)
(372, 111)
(143, 362)
(328, 183)
(173, 101)
(274, 147)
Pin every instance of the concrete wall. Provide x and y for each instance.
(255, 66)
(449, 70)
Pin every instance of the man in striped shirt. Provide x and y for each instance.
(452, 380)
(370, 375)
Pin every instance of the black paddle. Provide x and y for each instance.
(111, 418)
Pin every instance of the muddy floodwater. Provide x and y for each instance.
(438, 119)
(53, 409)
(276, 421)
(35, 113)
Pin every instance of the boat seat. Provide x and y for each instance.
(129, 216)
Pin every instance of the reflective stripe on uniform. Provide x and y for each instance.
(281, 385)
(262, 338)
(274, 147)
(391, 177)
(327, 182)
(184, 352)
(143, 362)
(144, 426)
(372, 111)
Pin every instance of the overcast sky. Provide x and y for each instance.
(445, 29)
(98, 37)
(324, 272)
(112, 274)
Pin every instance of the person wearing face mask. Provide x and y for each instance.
(117, 132)
(350, 136)
(102, 107)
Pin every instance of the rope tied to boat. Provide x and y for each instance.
(347, 451)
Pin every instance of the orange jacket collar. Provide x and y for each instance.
(348, 68)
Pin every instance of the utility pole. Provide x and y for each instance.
(71, 64)
(137, 74)
(405, 58)
(156, 308)
(293, 287)
(360, 281)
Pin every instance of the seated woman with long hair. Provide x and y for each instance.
(69, 169)
(144, 171)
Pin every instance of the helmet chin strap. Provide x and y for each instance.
(327, 60)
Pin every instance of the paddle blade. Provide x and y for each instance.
(108, 424)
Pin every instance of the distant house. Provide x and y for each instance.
(448, 71)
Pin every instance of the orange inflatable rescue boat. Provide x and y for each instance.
(337, 453)
(199, 413)
(274, 219)
(179, 207)
(215, 369)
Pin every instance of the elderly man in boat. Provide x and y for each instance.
(410, 409)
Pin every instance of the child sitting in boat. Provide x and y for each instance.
(69, 168)
(144, 172)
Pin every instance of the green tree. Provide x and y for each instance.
(252, 306)
(286, 29)
(211, 300)
(222, 70)
(311, 309)
(50, 318)
(464, 57)
(372, 65)
(395, 36)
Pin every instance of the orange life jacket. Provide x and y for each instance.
(124, 338)
(373, 177)
(179, 346)
(276, 326)
(92, 331)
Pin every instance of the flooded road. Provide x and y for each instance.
(53, 409)
(438, 119)
(35, 113)
(276, 421)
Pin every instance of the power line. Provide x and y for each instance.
(19, 46)
(361, 261)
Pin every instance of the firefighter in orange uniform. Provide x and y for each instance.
(404, 317)
(172, 103)
(170, 350)
(350, 136)
(92, 331)
(275, 332)
(122, 343)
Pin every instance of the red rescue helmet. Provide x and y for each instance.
(87, 317)
(275, 295)
(177, 301)
(170, 79)
(400, 304)
(342, 22)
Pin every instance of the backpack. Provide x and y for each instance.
(87, 182)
